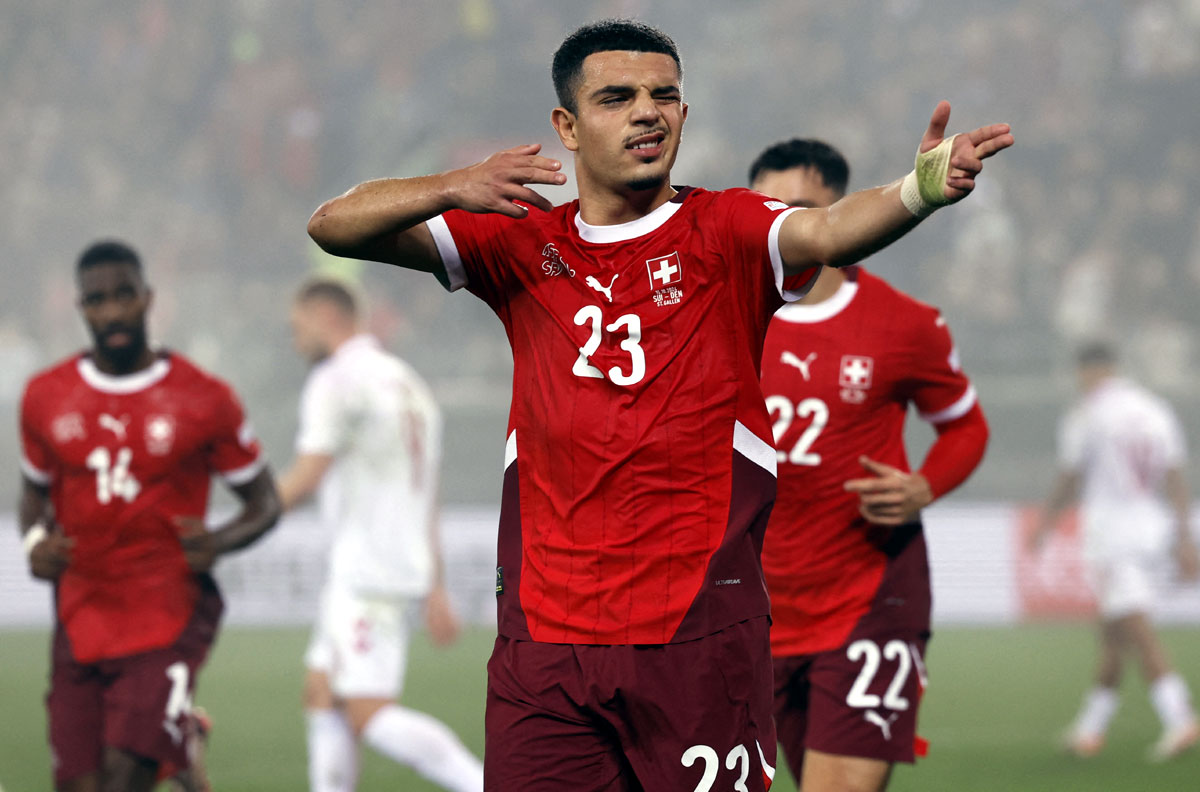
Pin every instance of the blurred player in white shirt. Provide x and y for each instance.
(1119, 448)
(369, 446)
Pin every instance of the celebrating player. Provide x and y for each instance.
(844, 555)
(370, 445)
(118, 448)
(1118, 448)
(639, 473)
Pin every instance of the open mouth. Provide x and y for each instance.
(647, 146)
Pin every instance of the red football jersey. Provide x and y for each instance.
(639, 469)
(838, 378)
(123, 458)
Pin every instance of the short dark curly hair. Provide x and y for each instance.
(805, 153)
(604, 36)
(107, 251)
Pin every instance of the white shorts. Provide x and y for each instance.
(1123, 586)
(361, 643)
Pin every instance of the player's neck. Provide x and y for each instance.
(604, 206)
(827, 285)
(120, 368)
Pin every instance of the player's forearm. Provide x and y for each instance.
(260, 512)
(373, 220)
(1180, 498)
(956, 452)
(32, 507)
(846, 232)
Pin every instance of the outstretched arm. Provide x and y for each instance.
(868, 220)
(384, 220)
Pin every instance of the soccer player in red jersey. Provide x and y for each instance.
(633, 650)
(844, 556)
(119, 445)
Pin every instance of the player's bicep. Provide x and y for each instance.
(412, 249)
(34, 505)
(799, 235)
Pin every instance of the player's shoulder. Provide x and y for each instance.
(58, 374)
(877, 290)
(187, 374)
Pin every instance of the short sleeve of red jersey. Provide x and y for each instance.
(753, 231)
(473, 252)
(935, 381)
(233, 451)
(37, 463)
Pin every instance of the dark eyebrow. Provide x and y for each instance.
(612, 89)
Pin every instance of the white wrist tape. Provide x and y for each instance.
(33, 537)
(923, 189)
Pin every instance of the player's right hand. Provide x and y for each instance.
(494, 184)
(199, 547)
(49, 557)
(968, 151)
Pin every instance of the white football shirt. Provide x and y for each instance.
(377, 418)
(1122, 439)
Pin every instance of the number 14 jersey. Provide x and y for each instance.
(639, 469)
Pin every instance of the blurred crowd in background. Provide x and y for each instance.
(206, 133)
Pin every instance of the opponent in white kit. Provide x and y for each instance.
(1119, 448)
(369, 444)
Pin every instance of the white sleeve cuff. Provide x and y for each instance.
(957, 410)
(35, 474)
(456, 274)
(245, 474)
(789, 295)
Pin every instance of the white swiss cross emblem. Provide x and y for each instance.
(855, 377)
(664, 270)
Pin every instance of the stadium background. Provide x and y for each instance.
(205, 133)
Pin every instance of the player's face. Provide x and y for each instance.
(630, 118)
(307, 336)
(802, 186)
(114, 300)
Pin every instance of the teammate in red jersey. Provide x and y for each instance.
(633, 649)
(119, 445)
(844, 555)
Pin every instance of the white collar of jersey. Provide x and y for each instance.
(356, 341)
(819, 312)
(128, 383)
(626, 231)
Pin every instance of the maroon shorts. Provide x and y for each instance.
(691, 715)
(861, 699)
(138, 704)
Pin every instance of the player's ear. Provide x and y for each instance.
(564, 124)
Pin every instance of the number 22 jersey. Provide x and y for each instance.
(639, 469)
(123, 458)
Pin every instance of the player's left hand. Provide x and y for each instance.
(891, 496)
(967, 152)
(199, 547)
(440, 618)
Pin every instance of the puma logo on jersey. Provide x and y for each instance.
(885, 726)
(605, 290)
(790, 359)
(113, 425)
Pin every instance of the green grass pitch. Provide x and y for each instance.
(997, 699)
